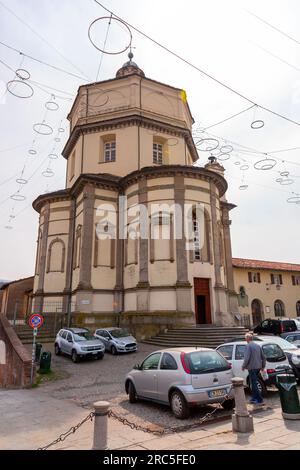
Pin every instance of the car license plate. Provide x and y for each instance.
(217, 393)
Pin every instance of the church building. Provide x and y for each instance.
(131, 146)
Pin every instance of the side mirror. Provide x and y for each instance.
(137, 367)
(70, 341)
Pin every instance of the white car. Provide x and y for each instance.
(277, 361)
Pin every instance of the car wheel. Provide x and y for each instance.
(228, 404)
(113, 350)
(261, 387)
(179, 405)
(74, 356)
(132, 393)
(57, 350)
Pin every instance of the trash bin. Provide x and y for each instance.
(38, 352)
(289, 398)
(45, 362)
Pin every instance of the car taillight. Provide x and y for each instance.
(184, 364)
(281, 328)
(271, 371)
(229, 365)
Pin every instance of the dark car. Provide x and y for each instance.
(275, 326)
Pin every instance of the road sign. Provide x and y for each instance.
(36, 320)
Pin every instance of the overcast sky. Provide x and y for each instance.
(221, 38)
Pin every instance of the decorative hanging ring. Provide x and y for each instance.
(110, 19)
(223, 157)
(244, 167)
(278, 180)
(243, 187)
(53, 156)
(42, 128)
(57, 139)
(104, 97)
(215, 153)
(8, 227)
(18, 197)
(226, 149)
(51, 106)
(237, 163)
(285, 173)
(210, 144)
(25, 86)
(23, 74)
(32, 152)
(48, 173)
(60, 129)
(293, 200)
(265, 164)
(286, 182)
(21, 181)
(258, 124)
(172, 141)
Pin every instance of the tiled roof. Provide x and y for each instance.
(258, 264)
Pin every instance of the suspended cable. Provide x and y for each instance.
(197, 68)
(42, 62)
(104, 46)
(230, 117)
(41, 37)
(272, 26)
(277, 57)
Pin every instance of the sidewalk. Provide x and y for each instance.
(31, 419)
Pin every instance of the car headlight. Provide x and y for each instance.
(83, 348)
(295, 359)
(121, 343)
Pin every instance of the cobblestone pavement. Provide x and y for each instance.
(92, 380)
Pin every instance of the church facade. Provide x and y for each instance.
(130, 178)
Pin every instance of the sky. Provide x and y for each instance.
(221, 38)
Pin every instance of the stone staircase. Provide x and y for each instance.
(201, 335)
(25, 333)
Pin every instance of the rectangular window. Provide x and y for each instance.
(110, 151)
(157, 153)
(254, 277)
(296, 280)
(276, 279)
(197, 251)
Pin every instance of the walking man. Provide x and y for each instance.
(254, 362)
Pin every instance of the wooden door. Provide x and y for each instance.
(202, 300)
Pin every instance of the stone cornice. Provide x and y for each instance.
(118, 184)
(126, 121)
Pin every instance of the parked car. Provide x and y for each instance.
(181, 378)
(276, 326)
(78, 343)
(116, 340)
(293, 338)
(277, 361)
(291, 352)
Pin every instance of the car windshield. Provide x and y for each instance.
(273, 353)
(119, 333)
(206, 361)
(83, 336)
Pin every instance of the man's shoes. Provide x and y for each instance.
(259, 402)
(253, 401)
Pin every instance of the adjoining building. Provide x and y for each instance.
(131, 140)
(16, 298)
(267, 289)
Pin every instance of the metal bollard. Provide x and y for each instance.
(100, 425)
(242, 421)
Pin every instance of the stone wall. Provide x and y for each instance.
(15, 363)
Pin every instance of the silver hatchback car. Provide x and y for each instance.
(78, 342)
(116, 340)
(181, 378)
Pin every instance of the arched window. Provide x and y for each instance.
(162, 236)
(279, 308)
(201, 237)
(56, 256)
(298, 308)
(77, 247)
(257, 311)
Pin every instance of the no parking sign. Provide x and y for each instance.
(36, 320)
